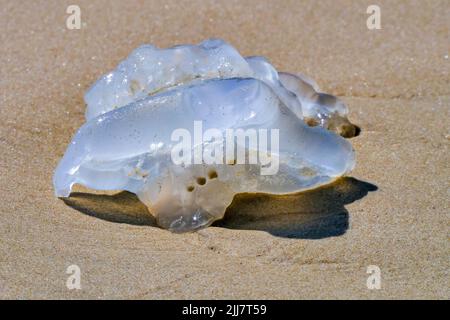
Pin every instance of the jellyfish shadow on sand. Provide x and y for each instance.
(122, 207)
(314, 214)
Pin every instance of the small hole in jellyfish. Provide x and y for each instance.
(190, 188)
(201, 181)
(212, 174)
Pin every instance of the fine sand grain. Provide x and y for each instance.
(393, 212)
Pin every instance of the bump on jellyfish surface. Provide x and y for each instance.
(127, 142)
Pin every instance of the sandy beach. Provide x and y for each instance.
(391, 212)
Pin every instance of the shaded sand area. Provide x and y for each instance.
(393, 212)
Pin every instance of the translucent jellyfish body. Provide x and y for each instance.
(189, 127)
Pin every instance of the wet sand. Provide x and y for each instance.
(392, 212)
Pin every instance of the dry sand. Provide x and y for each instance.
(392, 212)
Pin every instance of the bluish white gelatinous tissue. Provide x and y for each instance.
(133, 112)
